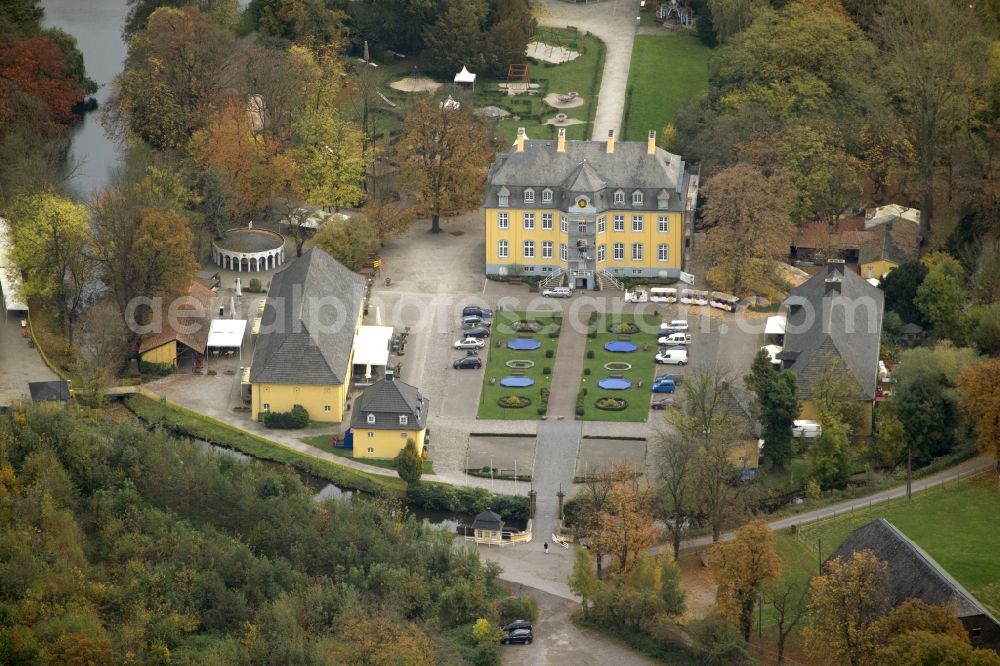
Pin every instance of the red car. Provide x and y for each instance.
(661, 403)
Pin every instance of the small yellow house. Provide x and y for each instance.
(181, 331)
(385, 416)
(305, 348)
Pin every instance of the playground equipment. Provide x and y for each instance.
(518, 78)
(673, 12)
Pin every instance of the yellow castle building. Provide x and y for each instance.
(581, 211)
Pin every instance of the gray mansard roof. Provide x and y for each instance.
(309, 322)
(388, 399)
(585, 167)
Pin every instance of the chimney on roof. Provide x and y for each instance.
(521, 136)
(561, 140)
(651, 143)
(611, 141)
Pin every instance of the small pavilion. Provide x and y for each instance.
(465, 78)
(245, 247)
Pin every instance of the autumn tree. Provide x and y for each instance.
(837, 395)
(731, 17)
(676, 457)
(583, 580)
(445, 156)
(250, 169)
(939, 296)
(223, 12)
(848, 603)
(378, 640)
(593, 502)
(933, 76)
(789, 602)
(825, 176)
(275, 84)
(172, 81)
(409, 465)
(624, 528)
(329, 158)
(743, 569)
(504, 44)
(979, 386)
(390, 218)
(35, 85)
(748, 215)
(51, 235)
(309, 22)
(917, 633)
(349, 241)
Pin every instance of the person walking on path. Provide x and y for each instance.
(546, 547)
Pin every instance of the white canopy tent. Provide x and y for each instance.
(227, 334)
(775, 325)
(371, 347)
(465, 77)
(10, 274)
(773, 351)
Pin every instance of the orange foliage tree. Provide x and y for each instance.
(623, 526)
(979, 386)
(743, 569)
(33, 75)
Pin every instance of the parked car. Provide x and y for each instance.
(475, 321)
(470, 343)
(675, 339)
(517, 636)
(673, 357)
(477, 332)
(676, 379)
(557, 292)
(674, 326)
(476, 310)
(664, 387)
(468, 363)
(661, 403)
(517, 624)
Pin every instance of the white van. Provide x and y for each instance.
(808, 429)
(673, 357)
(674, 326)
(675, 339)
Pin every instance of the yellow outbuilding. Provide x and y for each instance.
(387, 414)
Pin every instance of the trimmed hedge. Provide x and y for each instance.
(298, 417)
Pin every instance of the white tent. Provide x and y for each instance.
(465, 77)
(775, 325)
(10, 274)
(772, 352)
(227, 334)
(371, 347)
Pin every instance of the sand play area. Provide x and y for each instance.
(549, 53)
(552, 99)
(414, 84)
(563, 122)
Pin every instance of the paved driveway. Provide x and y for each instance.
(19, 363)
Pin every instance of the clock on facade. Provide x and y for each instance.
(582, 203)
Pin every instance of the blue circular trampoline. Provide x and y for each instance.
(615, 383)
(516, 381)
(523, 344)
(620, 346)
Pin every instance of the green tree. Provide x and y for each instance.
(748, 215)
(987, 330)
(941, 294)
(671, 592)
(409, 464)
(827, 179)
(309, 22)
(890, 434)
(330, 163)
(51, 235)
(446, 154)
(505, 44)
(848, 603)
(837, 395)
(213, 206)
(455, 38)
(583, 580)
(830, 456)
(349, 241)
(743, 569)
(761, 372)
(731, 17)
(900, 287)
(778, 410)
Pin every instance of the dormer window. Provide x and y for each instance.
(637, 198)
(371, 418)
(546, 196)
(529, 196)
(619, 197)
(503, 197)
(402, 419)
(663, 200)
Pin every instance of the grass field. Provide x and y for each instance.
(322, 442)
(496, 366)
(955, 524)
(642, 362)
(582, 75)
(666, 72)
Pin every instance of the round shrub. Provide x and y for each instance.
(579, 411)
(513, 401)
(549, 353)
(586, 371)
(546, 370)
(590, 353)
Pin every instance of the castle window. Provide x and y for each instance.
(371, 418)
(529, 196)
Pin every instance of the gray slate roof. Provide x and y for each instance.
(388, 399)
(307, 331)
(585, 167)
(912, 572)
(487, 520)
(834, 314)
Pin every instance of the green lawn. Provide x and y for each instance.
(582, 75)
(956, 525)
(496, 368)
(322, 442)
(642, 361)
(666, 72)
